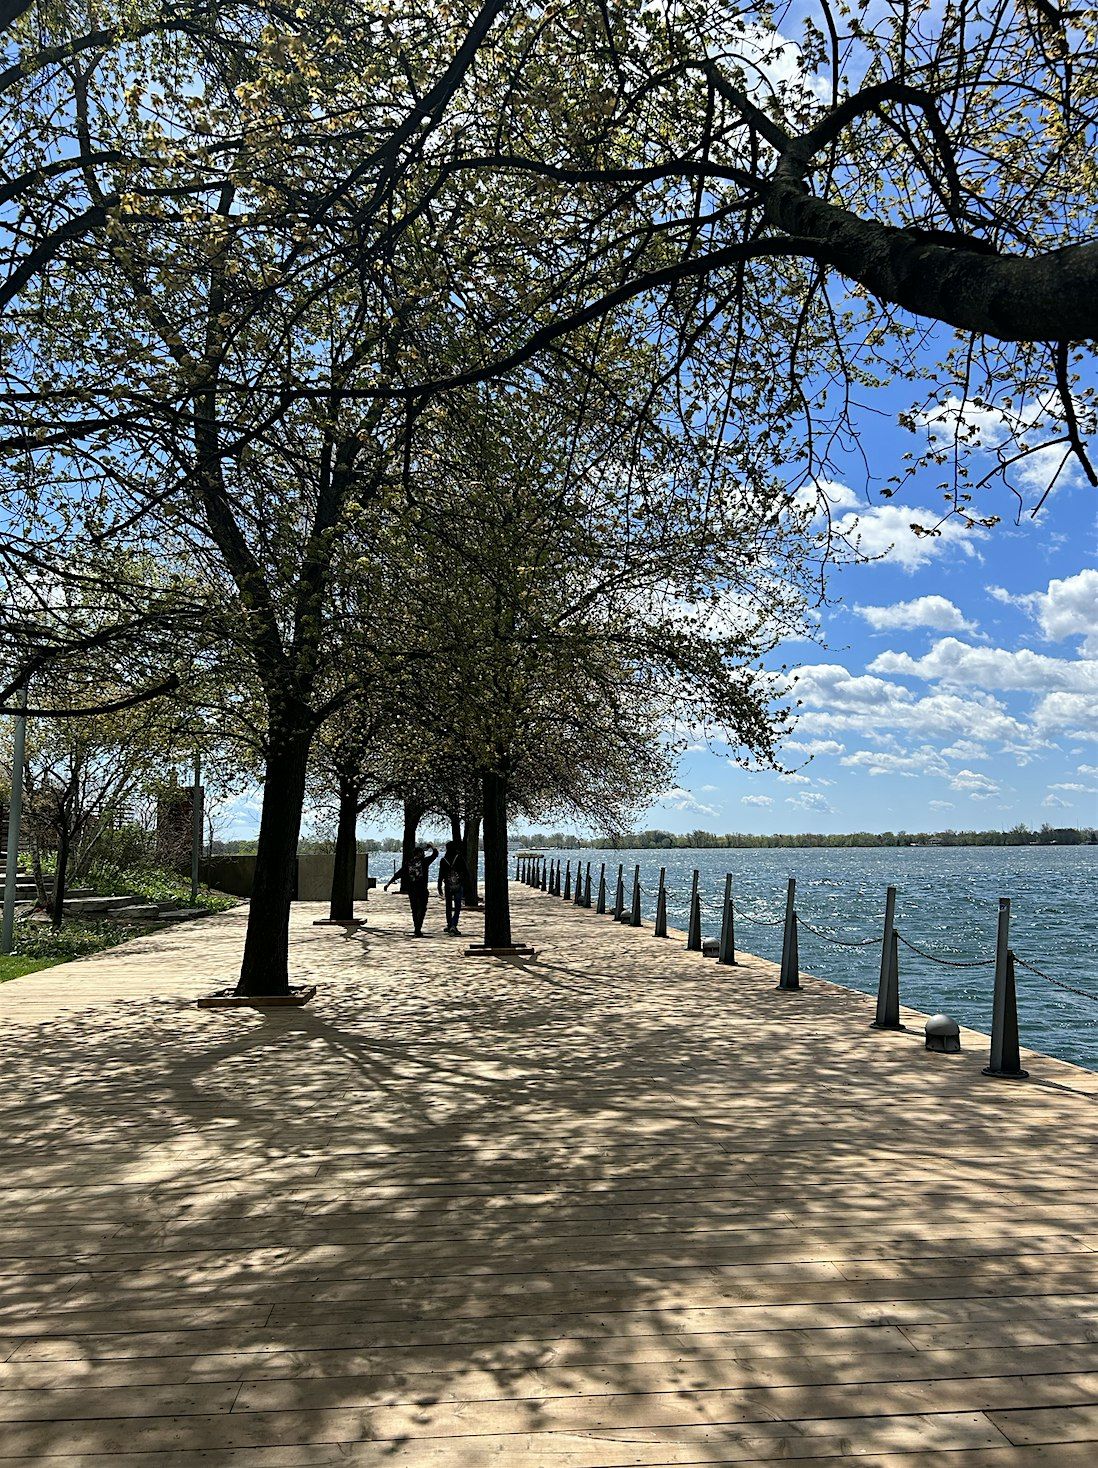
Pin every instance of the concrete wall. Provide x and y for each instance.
(235, 874)
(314, 878)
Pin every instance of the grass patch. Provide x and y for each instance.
(14, 966)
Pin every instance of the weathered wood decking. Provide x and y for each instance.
(615, 1207)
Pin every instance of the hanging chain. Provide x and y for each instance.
(1059, 983)
(839, 942)
(946, 962)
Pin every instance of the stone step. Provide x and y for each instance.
(177, 914)
(138, 912)
(93, 905)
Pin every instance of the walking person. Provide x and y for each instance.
(414, 875)
(452, 877)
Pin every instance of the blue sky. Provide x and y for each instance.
(958, 687)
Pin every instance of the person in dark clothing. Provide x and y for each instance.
(414, 876)
(453, 874)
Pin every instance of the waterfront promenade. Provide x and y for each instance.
(615, 1207)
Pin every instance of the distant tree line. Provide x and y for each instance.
(660, 840)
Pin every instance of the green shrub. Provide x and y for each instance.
(155, 884)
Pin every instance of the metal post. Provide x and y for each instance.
(661, 905)
(545, 874)
(600, 905)
(635, 914)
(587, 886)
(619, 894)
(578, 896)
(726, 953)
(15, 814)
(693, 921)
(1005, 1058)
(568, 882)
(196, 826)
(555, 889)
(518, 868)
(790, 971)
(888, 986)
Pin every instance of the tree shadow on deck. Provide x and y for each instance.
(651, 1204)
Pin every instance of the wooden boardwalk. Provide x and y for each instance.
(615, 1207)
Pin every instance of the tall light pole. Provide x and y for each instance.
(196, 826)
(15, 812)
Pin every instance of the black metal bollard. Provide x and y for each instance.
(726, 953)
(587, 886)
(694, 921)
(600, 906)
(660, 930)
(567, 894)
(577, 896)
(635, 913)
(888, 986)
(619, 895)
(545, 874)
(791, 966)
(1005, 1060)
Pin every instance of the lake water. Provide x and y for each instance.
(947, 903)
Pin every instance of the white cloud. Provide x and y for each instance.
(942, 805)
(762, 801)
(885, 530)
(1068, 713)
(934, 612)
(952, 662)
(974, 785)
(811, 800)
(1054, 802)
(1068, 608)
(1074, 785)
(1088, 769)
(680, 799)
(836, 701)
(925, 760)
(812, 747)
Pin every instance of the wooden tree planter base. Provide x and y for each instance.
(227, 999)
(339, 922)
(511, 950)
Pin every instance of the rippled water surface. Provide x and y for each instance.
(947, 902)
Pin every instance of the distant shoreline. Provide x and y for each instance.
(709, 841)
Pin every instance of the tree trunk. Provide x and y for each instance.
(342, 907)
(413, 814)
(497, 905)
(265, 969)
(471, 849)
(57, 901)
(454, 817)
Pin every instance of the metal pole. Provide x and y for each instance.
(619, 894)
(587, 886)
(661, 905)
(693, 922)
(635, 914)
(1005, 1057)
(726, 953)
(790, 971)
(196, 826)
(600, 905)
(888, 985)
(15, 814)
(568, 882)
